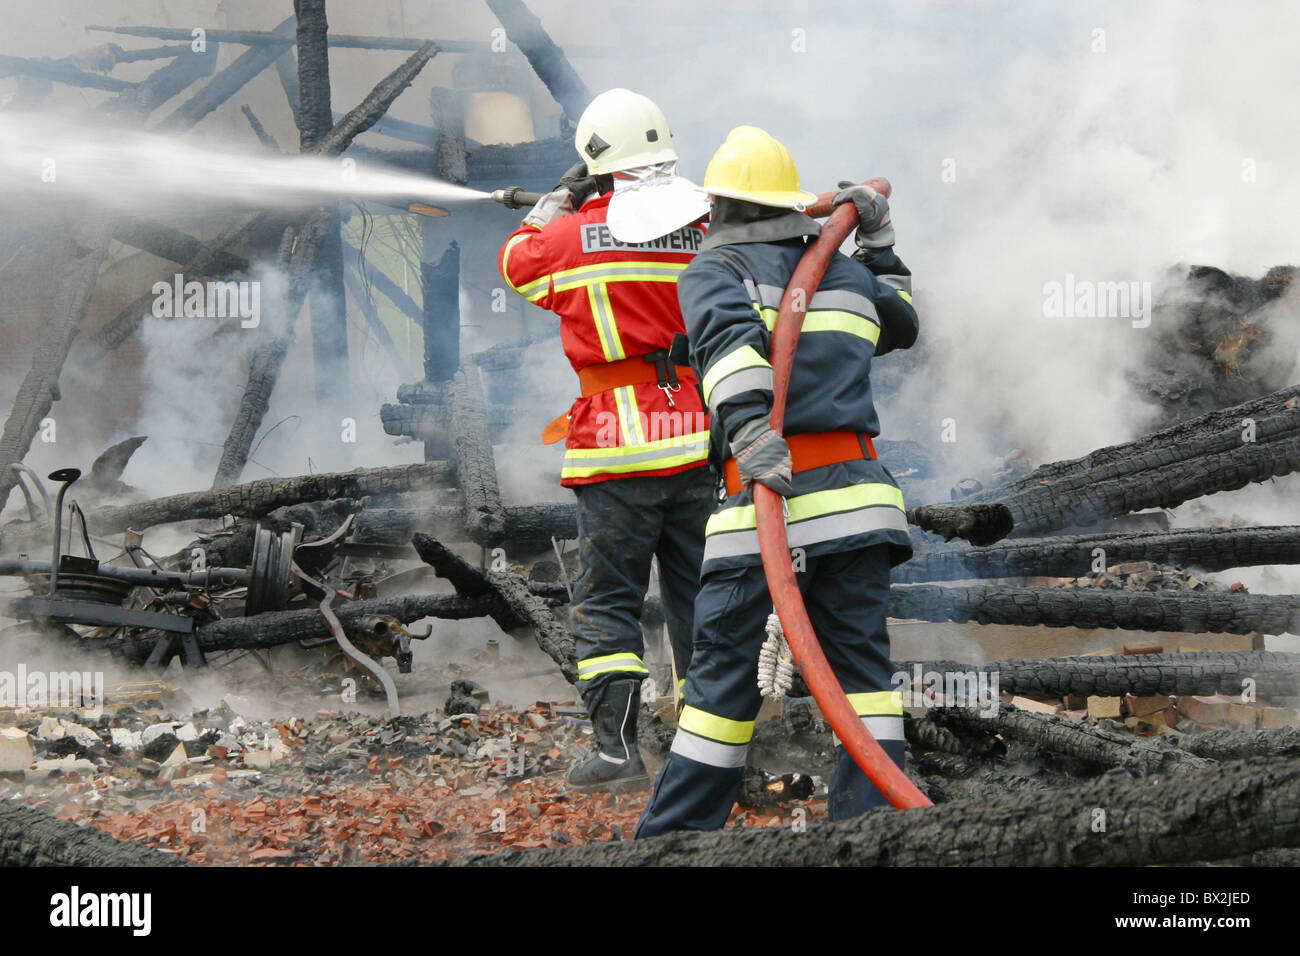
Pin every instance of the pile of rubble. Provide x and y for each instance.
(214, 787)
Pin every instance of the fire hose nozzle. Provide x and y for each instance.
(514, 197)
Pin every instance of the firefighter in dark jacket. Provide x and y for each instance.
(603, 251)
(846, 522)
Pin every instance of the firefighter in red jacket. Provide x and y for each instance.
(603, 251)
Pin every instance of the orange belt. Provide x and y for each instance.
(813, 450)
(629, 371)
(595, 379)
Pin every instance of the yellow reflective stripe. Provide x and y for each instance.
(905, 296)
(828, 320)
(812, 505)
(629, 415)
(536, 289)
(723, 729)
(835, 321)
(617, 272)
(626, 661)
(665, 453)
(744, 357)
(877, 703)
(602, 313)
(505, 259)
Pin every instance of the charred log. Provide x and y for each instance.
(1242, 808)
(286, 627)
(1187, 611)
(1207, 549)
(525, 524)
(476, 474)
(32, 837)
(168, 243)
(978, 524)
(249, 500)
(1143, 675)
(468, 580)
(1237, 744)
(1091, 744)
(1221, 451)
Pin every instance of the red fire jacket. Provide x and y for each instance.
(615, 301)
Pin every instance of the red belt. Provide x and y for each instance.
(814, 450)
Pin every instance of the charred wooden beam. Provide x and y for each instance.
(225, 84)
(468, 580)
(1213, 612)
(340, 41)
(1094, 745)
(1240, 808)
(250, 500)
(366, 113)
(1207, 549)
(329, 321)
(980, 524)
(476, 473)
(82, 251)
(1221, 451)
(256, 38)
(548, 61)
(61, 71)
(1238, 744)
(402, 129)
(553, 638)
(441, 284)
(295, 259)
(286, 627)
(32, 837)
(1143, 675)
(257, 230)
(166, 242)
(523, 523)
(449, 142)
(263, 137)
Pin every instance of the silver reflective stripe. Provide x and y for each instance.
(667, 451)
(844, 300)
(897, 282)
(885, 727)
(751, 289)
(709, 752)
(747, 379)
(730, 544)
(769, 296)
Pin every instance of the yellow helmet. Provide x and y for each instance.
(620, 129)
(753, 165)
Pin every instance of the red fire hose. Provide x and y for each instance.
(775, 547)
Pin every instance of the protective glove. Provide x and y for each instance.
(875, 231)
(578, 182)
(762, 455)
(568, 195)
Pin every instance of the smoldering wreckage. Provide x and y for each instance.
(1188, 729)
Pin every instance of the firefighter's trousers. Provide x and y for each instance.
(622, 525)
(846, 595)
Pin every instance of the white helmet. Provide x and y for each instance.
(620, 129)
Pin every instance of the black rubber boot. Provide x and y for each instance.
(616, 766)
